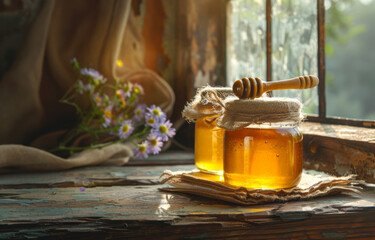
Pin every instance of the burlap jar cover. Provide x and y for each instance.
(231, 113)
(208, 102)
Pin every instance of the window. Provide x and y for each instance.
(280, 39)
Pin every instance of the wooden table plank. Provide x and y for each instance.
(90, 177)
(134, 211)
(165, 158)
(147, 202)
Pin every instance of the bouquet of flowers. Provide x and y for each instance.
(115, 110)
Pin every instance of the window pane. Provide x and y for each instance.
(247, 40)
(294, 47)
(350, 58)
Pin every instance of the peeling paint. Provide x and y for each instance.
(23, 202)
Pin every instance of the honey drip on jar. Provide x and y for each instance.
(263, 158)
(209, 141)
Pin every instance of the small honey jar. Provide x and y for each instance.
(262, 143)
(209, 138)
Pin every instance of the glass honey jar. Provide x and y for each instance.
(209, 139)
(263, 157)
(204, 109)
(262, 143)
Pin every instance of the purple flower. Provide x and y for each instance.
(164, 130)
(127, 89)
(156, 113)
(80, 86)
(81, 189)
(122, 116)
(151, 121)
(139, 112)
(107, 116)
(126, 129)
(74, 63)
(84, 87)
(91, 73)
(138, 89)
(95, 75)
(141, 151)
(97, 99)
(155, 143)
(73, 60)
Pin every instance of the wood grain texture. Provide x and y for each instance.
(321, 59)
(255, 87)
(90, 177)
(154, 25)
(143, 211)
(201, 54)
(339, 150)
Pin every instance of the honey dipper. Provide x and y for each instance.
(254, 87)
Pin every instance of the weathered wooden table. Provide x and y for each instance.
(125, 203)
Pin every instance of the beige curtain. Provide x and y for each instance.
(96, 32)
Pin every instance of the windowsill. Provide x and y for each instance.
(339, 149)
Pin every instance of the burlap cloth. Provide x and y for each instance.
(97, 33)
(312, 185)
(207, 102)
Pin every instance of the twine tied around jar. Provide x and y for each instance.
(232, 113)
(207, 102)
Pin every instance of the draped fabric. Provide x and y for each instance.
(97, 33)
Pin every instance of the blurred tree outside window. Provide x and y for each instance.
(350, 58)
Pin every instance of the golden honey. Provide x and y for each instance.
(209, 140)
(267, 158)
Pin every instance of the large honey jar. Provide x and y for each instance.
(263, 157)
(209, 142)
(262, 143)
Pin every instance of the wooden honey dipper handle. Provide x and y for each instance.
(254, 87)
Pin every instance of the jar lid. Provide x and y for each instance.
(205, 104)
(240, 113)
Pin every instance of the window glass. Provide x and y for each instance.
(294, 47)
(350, 58)
(294, 44)
(247, 40)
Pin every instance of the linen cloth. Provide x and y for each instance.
(97, 33)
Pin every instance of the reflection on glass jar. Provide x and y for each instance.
(209, 146)
(263, 157)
